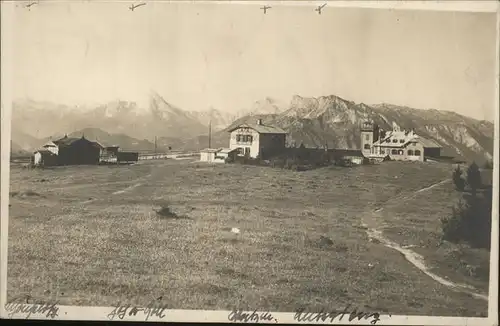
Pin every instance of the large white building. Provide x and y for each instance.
(399, 145)
(257, 140)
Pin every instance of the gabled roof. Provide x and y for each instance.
(68, 141)
(96, 143)
(49, 143)
(428, 143)
(65, 141)
(45, 152)
(227, 150)
(260, 128)
(210, 150)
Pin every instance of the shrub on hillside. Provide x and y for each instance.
(474, 177)
(246, 160)
(470, 220)
(278, 162)
(458, 180)
(488, 165)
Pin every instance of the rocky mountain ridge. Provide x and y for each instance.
(325, 120)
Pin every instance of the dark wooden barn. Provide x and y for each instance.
(127, 157)
(77, 151)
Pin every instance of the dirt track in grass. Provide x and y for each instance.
(81, 243)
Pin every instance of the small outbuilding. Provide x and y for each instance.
(208, 154)
(217, 155)
(44, 157)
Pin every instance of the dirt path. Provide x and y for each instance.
(140, 182)
(375, 231)
(127, 189)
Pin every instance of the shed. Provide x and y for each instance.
(127, 157)
(355, 156)
(223, 154)
(44, 157)
(208, 154)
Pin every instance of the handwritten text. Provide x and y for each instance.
(250, 317)
(151, 310)
(303, 316)
(22, 306)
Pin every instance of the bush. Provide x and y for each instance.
(458, 180)
(488, 165)
(278, 163)
(470, 220)
(474, 177)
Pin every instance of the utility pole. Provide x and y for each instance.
(210, 134)
(155, 144)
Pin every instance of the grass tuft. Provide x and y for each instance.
(166, 212)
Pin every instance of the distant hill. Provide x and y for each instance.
(106, 139)
(333, 121)
(326, 120)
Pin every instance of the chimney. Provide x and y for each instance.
(259, 122)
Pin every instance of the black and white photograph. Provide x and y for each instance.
(268, 162)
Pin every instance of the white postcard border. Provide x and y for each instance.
(204, 316)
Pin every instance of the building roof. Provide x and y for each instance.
(65, 141)
(210, 150)
(260, 128)
(98, 144)
(227, 150)
(49, 143)
(427, 143)
(45, 152)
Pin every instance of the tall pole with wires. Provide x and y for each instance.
(210, 134)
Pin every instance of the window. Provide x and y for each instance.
(401, 140)
(387, 140)
(394, 140)
(244, 138)
(382, 151)
(394, 152)
(417, 152)
(410, 152)
(240, 150)
(367, 137)
(367, 146)
(247, 151)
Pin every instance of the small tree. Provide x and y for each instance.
(470, 221)
(474, 177)
(453, 226)
(458, 180)
(488, 165)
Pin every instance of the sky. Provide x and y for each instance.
(228, 56)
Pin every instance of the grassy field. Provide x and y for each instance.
(92, 236)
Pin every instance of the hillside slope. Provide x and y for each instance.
(333, 121)
(326, 120)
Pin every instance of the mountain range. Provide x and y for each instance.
(326, 120)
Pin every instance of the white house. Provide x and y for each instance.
(218, 155)
(44, 157)
(399, 145)
(51, 147)
(257, 139)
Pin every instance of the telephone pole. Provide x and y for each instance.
(210, 134)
